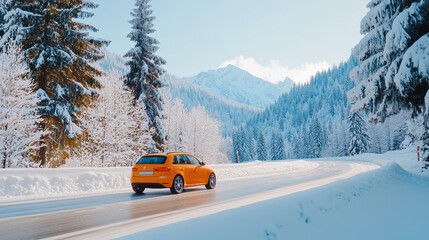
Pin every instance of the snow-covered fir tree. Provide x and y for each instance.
(261, 147)
(60, 66)
(378, 143)
(4, 9)
(338, 140)
(19, 119)
(114, 130)
(277, 146)
(11, 29)
(238, 146)
(394, 72)
(297, 146)
(146, 69)
(359, 139)
(316, 138)
(243, 144)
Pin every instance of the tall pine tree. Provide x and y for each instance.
(316, 138)
(297, 146)
(145, 70)
(359, 139)
(261, 147)
(243, 144)
(277, 146)
(4, 8)
(59, 52)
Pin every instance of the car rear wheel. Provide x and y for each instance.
(138, 190)
(177, 185)
(212, 181)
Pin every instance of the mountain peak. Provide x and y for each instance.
(231, 67)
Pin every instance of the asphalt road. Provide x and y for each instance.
(71, 218)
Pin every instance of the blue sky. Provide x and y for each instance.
(271, 39)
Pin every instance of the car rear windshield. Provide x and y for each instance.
(152, 160)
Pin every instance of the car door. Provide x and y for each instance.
(188, 169)
(199, 173)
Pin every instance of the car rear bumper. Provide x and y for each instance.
(147, 185)
(160, 181)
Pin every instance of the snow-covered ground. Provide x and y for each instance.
(32, 184)
(387, 203)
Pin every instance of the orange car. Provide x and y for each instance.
(172, 170)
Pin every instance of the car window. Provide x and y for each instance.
(186, 159)
(152, 160)
(180, 159)
(193, 160)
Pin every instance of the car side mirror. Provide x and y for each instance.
(203, 163)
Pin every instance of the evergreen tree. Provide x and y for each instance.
(393, 74)
(236, 146)
(145, 70)
(59, 52)
(243, 143)
(261, 148)
(19, 134)
(277, 146)
(359, 142)
(251, 143)
(5, 7)
(338, 139)
(316, 138)
(297, 146)
(281, 155)
(306, 142)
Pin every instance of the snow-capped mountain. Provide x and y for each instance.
(238, 85)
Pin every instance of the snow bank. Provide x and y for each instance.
(40, 183)
(406, 159)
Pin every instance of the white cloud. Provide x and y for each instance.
(274, 72)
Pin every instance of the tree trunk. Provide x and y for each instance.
(5, 150)
(43, 147)
(4, 157)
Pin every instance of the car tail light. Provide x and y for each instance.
(135, 169)
(162, 169)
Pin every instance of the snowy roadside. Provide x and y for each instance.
(34, 184)
(406, 159)
(387, 203)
